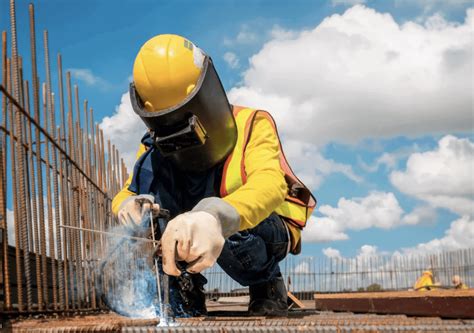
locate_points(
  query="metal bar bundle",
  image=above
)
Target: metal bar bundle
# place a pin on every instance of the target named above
(55, 171)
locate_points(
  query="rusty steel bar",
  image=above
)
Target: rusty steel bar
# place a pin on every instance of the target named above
(34, 201)
(77, 255)
(61, 96)
(71, 215)
(48, 136)
(50, 104)
(3, 155)
(15, 196)
(65, 214)
(85, 147)
(62, 176)
(91, 147)
(82, 197)
(25, 102)
(111, 234)
(22, 217)
(41, 270)
(49, 200)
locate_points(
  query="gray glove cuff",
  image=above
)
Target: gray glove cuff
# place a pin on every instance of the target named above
(224, 213)
(134, 197)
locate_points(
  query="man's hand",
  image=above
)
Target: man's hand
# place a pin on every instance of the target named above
(132, 209)
(194, 237)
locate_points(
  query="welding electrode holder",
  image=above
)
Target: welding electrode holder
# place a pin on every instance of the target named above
(162, 215)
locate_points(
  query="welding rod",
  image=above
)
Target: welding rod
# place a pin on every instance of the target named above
(163, 315)
(111, 234)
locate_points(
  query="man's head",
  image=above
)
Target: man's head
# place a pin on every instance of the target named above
(456, 280)
(178, 94)
(428, 273)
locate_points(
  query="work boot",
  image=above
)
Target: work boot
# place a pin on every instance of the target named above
(269, 298)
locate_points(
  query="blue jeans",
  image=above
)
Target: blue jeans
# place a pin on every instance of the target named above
(252, 256)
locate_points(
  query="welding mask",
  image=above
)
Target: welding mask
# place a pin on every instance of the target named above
(178, 94)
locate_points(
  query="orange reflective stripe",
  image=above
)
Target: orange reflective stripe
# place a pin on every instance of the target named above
(247, 132)
(286, 167)
(234, 174)
(295, 210)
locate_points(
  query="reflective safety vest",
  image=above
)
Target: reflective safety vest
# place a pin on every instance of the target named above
(299, 202)
(424, 282)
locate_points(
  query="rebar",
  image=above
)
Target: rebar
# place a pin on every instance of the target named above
(40, 269)
(58, 178)
(3, 170)
(22, 217)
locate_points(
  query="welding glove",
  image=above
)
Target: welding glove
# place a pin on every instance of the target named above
(197, 237)
(132, 211)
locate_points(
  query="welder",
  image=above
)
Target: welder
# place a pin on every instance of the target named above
(220, 171)
(458, 283)
(425, 282)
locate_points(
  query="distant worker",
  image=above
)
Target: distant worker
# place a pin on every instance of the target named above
(219, 169)
(425, 282)
(457, 283)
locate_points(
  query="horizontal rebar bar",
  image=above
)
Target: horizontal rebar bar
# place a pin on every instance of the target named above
(49, 137)
(112, 234)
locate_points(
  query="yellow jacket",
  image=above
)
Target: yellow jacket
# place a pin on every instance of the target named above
(265, 188)
(424, 282)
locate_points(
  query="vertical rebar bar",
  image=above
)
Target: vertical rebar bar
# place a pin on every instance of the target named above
(34, 201)
(42, 272)
(3, 169)
(52, 116)
(65, 216)
(63, 170)
(49, 201)
(22, 213)
(13, 162)
(72, 212)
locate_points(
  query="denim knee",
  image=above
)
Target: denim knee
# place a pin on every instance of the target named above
(252, 256)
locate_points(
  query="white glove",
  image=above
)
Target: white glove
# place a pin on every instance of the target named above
(197, 237)
(131, 211)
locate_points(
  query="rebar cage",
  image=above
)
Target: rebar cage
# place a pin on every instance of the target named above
(58, 172)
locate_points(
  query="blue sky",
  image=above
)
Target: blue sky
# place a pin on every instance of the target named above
(357, 92)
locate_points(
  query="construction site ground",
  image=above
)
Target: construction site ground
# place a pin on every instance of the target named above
(228, 314)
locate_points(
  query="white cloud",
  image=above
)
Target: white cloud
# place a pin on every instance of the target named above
(420, 214)
(311, 166)
(302, 267)
(377, 210)
(322, 229)
(367, 251)
(347, 2)
(459, 235)
(345, 81)
(231, 59)
(11, 227)
(429, 7)
(443, 177)
(88, 77)
(389, 160)
(331, 253)
(245, 36)
(125, 129)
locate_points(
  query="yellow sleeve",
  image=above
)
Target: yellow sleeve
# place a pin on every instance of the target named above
(266, 187)
(125, 192)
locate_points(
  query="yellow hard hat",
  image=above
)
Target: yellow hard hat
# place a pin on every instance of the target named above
(180, 98)
(166, 70)
(428, 273)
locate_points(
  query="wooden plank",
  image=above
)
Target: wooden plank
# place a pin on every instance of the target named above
(446, 304)
(295, 300)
